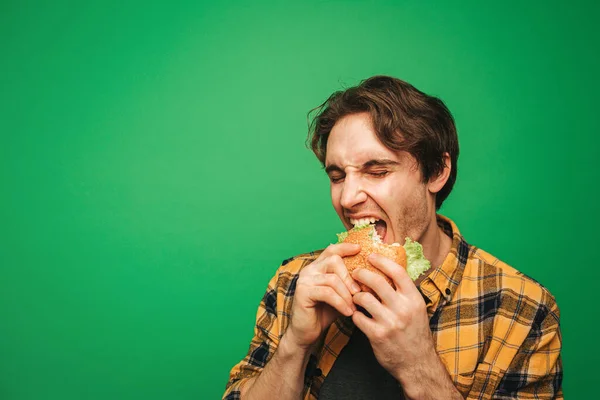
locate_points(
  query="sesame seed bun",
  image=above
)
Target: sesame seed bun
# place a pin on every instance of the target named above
(370, 243)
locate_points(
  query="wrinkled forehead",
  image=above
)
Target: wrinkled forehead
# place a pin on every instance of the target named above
(353, 142)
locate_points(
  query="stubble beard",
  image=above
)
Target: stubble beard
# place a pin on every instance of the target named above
(414, 218)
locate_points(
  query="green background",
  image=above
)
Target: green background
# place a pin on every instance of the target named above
(154, 175)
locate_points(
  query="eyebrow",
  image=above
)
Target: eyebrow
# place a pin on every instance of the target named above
(380, 162)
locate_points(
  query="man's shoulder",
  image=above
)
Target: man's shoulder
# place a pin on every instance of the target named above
(499, 276)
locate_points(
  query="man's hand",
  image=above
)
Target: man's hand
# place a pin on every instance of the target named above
(323, 291)
(399, 331)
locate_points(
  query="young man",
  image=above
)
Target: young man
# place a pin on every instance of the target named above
(471, 327)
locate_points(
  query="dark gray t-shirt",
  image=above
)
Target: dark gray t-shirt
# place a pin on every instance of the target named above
(356, 375)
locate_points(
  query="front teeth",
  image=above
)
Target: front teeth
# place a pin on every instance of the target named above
(363, 221)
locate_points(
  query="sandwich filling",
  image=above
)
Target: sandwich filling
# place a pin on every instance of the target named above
(416, 263)
(380, 226)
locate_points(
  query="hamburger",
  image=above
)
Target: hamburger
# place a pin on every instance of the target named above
(409, 256)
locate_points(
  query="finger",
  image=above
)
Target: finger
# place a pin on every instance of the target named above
(364, 323)
(395, 272)
(336, 283)
(326, 294)
(340, 249)
(377, 283)
(367, 301)
(335, 264)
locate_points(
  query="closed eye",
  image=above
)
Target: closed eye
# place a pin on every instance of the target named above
(336, 178)
(335, 173)
(378, 174)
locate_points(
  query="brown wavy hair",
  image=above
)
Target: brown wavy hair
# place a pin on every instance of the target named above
(404, 119)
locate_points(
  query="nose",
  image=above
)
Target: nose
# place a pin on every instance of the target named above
(352, 192)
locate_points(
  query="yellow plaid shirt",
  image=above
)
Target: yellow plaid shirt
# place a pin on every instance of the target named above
(496, 330)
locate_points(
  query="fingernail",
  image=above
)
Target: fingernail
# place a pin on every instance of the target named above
(355, 288)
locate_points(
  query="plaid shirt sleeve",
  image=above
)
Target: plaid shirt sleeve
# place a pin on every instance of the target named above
(262, 346)
(272, 319)
(536, 370)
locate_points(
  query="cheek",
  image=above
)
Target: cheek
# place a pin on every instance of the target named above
(386, 196)
(414, 206)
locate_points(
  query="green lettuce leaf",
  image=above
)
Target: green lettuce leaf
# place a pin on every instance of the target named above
(416, 262)
(342, 236)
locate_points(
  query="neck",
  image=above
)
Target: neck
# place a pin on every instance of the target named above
(436, 245)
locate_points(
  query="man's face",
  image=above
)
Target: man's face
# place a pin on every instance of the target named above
(368, 180)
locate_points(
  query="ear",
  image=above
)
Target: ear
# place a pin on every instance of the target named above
(436, 183)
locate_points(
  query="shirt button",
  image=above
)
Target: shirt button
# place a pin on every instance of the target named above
(448, 298)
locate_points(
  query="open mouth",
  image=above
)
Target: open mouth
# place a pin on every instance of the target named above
(380, 225)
